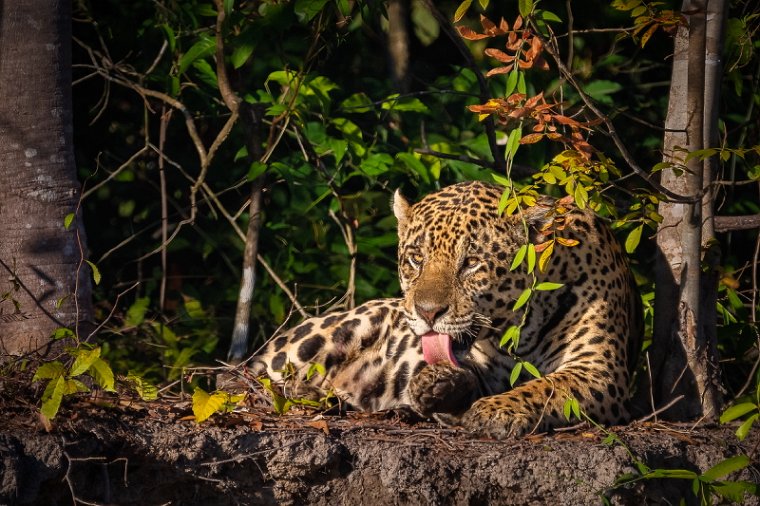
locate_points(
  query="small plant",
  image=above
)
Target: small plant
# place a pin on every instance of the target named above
(65, 378)
(205, 404)
(705, 486)
(751, 407)
(282, 402)
(83, 364)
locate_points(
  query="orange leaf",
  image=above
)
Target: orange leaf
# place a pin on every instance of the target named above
(470, 34)
(524, 64)
(564, 241)
(489, 27)
(565, 120)
(541, 247)
(518, 23)
(531, 138)
(499, 55)
(319, 425)
(499, 70)
(532, 101)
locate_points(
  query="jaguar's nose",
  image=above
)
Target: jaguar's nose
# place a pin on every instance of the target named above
(430, 312)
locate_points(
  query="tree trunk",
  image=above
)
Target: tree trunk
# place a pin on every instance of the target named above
(45, 284)
(684, 359)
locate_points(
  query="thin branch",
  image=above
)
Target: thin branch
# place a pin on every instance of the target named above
(116, 172)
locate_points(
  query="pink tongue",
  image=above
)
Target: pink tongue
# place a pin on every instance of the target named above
(437, 348)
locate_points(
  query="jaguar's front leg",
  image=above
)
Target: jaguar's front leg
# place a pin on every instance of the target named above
(443, 390)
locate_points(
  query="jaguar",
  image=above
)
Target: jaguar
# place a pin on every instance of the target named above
(478, 303)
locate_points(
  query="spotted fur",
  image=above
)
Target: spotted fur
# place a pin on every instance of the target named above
(455, 252)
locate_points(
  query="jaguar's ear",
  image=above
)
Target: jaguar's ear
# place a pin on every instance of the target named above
(401, 209)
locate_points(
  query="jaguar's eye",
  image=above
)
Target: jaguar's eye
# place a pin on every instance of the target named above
(470, 263)
(415, 259)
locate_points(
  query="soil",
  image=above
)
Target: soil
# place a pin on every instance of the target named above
(154, 453)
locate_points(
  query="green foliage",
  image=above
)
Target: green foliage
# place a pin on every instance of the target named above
(64, 380)
(81, 368)
(337, 135)
(747, 408)
(705, 486)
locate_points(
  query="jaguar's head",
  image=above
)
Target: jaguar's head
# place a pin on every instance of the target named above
(454, 257)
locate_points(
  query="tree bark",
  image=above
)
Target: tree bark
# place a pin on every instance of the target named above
(684, 358)
(45, 283)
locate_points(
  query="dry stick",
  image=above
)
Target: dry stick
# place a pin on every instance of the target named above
(116, 172)
(348, 237)
(165, 118)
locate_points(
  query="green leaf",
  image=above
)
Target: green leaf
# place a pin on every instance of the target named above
(103, 374)
(521, 88)
(576, 407)
(744, 428)
(204, 47)
(170, 38)
(601, 89)
(49, 370)
(404, 104)
(531, 257)
(68, 219)
(413, 164)
(547, 16)
(513, 377)
(737, 410)
(376, 164)
(95, 272)
(726, 467)
(84, 359)
(306, 9)
(513, 142)
(510, 337)
(136, 312)
(681, 474)
(256, 169)
(519, 257)
(461, 10)
(567, 408)
(241, 54)
(525, 7)
(62, 332)
(194, 308)
(146, 390)
(512, 81)
(522, 299)
(357, 103)
(205, 405)
(734, 490)
(531, 369)
(51, 398)
(548, 286)
(633, 239)
(316, 368)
